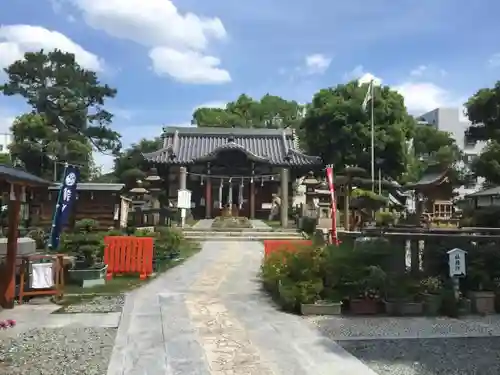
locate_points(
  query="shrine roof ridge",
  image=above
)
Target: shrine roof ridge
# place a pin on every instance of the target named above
(190, 145)
(207, 131)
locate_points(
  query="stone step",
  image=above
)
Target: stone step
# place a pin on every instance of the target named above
(242, 238)
(243, 234)
(279, 230)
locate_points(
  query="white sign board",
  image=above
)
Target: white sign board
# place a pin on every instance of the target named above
(456, 262)
(184, 199)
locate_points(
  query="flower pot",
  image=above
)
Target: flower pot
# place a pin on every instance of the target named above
(89, 277)
(404, 308)
(321, 308)
(432, 304)
(364, 306)
(483, 302)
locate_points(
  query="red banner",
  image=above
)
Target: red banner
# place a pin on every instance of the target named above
(331, 185)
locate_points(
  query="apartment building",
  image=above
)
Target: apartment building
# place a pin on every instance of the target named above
(449, 120)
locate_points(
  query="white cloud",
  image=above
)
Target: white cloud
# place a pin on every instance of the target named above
(359, 74)
(419, 71)
(421, 95)
(15, 40)
(424, 96)
(317, 63)
(188, 66)
(178, 42)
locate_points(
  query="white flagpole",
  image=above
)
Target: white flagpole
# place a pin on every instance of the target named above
(372, 136)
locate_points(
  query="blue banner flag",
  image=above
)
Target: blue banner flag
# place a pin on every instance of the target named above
(65, 199)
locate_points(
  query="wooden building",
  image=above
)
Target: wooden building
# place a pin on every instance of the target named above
(484, 199)
(236, 167)
(103, 202)
(434, 193)
(17, 186)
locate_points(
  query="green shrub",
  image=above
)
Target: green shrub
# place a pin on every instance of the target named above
(308, 225)
(85, 243)
(38, 235)
(168, 242)
(293, 278)
(384, 218)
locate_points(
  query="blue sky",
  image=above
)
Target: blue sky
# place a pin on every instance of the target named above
(168, 57)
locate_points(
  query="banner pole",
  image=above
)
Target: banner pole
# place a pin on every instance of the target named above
(56, 210)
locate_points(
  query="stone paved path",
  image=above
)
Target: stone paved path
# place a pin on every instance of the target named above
(209, 317)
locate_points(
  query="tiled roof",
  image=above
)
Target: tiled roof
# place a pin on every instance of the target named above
(20, 176)
(190, 145)
(93, 186)
(485, 193)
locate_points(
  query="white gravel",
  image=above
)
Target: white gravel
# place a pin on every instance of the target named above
(58, 351)
(98, 304)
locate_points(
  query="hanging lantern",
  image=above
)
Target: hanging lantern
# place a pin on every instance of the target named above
(251, 180)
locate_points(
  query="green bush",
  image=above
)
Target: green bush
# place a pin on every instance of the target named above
(293, 278)
(39, 236)
(308, 225)
(85, 243)
(168, 242)
(384, 218)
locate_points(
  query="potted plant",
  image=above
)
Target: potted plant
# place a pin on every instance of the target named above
(401, 298)
(367, 297)
(431, 294)
(330, 305)
(87, 246)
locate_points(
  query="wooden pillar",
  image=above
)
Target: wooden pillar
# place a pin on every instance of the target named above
(284, 198)
(251, 193)
(208, 195)
(9, 281)
(252, 199)
(347, 198)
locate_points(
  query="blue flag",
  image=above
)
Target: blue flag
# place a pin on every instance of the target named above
(65, 199)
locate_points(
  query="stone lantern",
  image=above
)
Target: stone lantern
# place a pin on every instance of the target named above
(155, 188)
(311, 183)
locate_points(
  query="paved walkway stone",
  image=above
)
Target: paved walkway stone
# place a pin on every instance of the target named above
(259, 224)
(208, 317)
(203, 224)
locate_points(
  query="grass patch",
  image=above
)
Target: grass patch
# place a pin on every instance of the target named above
(120, 284)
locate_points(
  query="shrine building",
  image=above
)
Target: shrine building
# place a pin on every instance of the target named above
(240, 168)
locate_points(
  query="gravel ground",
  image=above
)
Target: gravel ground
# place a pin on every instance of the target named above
(456, 356)
(61, 351)
(98, 304)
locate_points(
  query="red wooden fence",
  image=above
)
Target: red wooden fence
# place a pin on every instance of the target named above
(128, 254)
(271, 246)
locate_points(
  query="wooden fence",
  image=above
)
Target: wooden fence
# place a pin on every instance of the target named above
(128, 254)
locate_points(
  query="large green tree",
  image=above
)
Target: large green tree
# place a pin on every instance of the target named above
(68, 118)
(129, 165)
(338, 129)
(431, 146)
(245, 112)
(482, 109)
(37, 146)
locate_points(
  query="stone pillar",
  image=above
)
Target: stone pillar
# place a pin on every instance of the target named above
(284, 197)
(182, 185)
(208, 195)
(182, 177)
